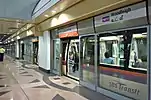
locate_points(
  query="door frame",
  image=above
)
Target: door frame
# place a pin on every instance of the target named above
(86, 84)
(67, 40)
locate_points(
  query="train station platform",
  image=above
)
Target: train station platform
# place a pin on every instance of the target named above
(20, 82)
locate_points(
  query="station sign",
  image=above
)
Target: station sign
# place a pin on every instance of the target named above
(121, 15)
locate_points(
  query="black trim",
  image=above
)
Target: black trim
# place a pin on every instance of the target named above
(72, 78)
(77, 27)
(149, 69)
(147, 11)
(40, 7)
(35, 7)
(17, 58)
(42, 69)
(94, 25)
(68, 43)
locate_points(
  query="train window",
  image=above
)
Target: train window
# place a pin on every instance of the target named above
(112, 50)
(138, 52)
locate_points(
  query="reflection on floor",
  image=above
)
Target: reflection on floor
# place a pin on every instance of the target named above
(74, 74)
(18, 82)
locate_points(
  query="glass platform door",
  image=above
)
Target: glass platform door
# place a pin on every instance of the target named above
(56, 67)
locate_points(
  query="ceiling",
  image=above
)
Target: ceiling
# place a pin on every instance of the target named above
(9, 26)
(76, 10)
(14, 15)
(57, 8)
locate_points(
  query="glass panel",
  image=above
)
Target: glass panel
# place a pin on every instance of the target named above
(85, 26)
(87, 58)
(73, 59)
(56, 54)
(123, 63)
(112, 50)
(138, 53)
(35, 52)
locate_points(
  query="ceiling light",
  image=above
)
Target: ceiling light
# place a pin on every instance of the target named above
(61, 8)
(53, 11)
(46, 15)
(22, 42)
(12, 39)
(18, 37)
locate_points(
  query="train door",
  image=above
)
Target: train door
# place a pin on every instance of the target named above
(70, 58)
(35, 52)
(73, 59)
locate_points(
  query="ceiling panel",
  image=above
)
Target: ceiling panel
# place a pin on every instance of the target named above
(8, 27)
(57, 8)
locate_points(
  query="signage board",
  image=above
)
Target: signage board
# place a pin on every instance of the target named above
(121, 15)
(70, 31)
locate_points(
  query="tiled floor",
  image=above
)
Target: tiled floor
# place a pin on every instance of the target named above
(19, 82)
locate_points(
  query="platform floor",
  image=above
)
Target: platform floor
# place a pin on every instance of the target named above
(19, 81)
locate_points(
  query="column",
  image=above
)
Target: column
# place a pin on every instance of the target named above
(44, 51)
(17, 49)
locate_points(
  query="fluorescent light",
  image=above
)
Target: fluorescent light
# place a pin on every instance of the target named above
(46, 15)
(22, 42)
(12, 39)
(53, 11)
(18, 37)
(61, 8)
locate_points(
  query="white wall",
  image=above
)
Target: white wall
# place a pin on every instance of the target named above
(17, 49)
(44, 51)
